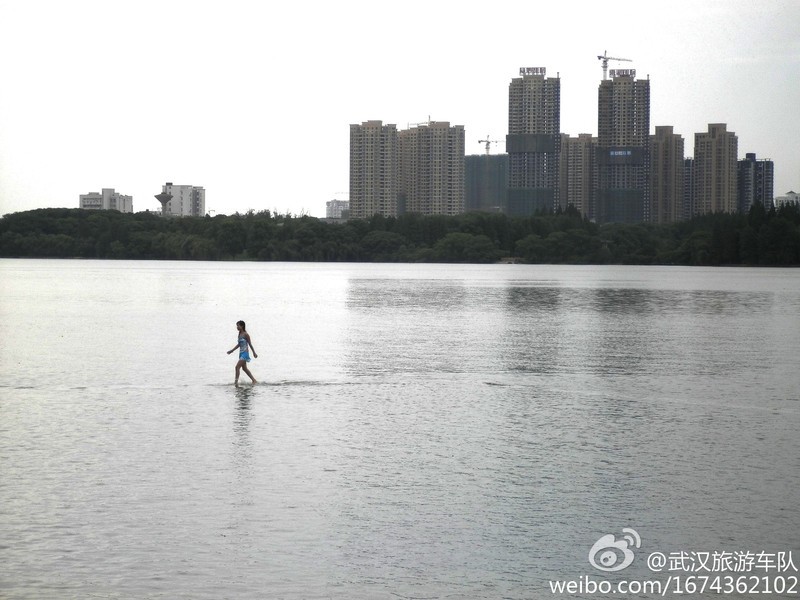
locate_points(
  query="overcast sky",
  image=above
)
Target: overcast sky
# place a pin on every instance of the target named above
(253, 100)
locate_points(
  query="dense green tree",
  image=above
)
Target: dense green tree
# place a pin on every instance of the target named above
(574, 246)
(532, 249)
(757, 216)
(748, 246)
(725, 241)
(766, 237)
(630, 244)
(383, 246)
(459, 247)
(231, 237)
(778, 243)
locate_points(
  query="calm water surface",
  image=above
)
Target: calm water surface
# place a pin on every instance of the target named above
(420, 431)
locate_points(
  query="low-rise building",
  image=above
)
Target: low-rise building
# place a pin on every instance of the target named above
(789, 198)
(107, 199)
(337, 209)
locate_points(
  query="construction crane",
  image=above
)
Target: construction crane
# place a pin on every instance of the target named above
(605, 58)
(488, 143)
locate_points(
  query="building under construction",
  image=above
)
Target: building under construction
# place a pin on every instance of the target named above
(533, 142)
(622, 160)
(485, 182)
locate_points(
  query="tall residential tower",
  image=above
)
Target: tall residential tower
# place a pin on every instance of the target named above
(666, 176)
(755, 182)
(715, 170)
(577, 171)
(374, 176)
(623, 161)
(432, 169)
(533, 142)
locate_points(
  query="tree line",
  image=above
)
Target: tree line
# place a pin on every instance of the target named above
(760, 237)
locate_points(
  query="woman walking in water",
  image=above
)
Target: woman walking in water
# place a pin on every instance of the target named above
(244, 356)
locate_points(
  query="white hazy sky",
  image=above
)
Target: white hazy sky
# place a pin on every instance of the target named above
(253, 100)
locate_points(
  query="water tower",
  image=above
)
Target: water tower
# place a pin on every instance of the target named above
(164, 197)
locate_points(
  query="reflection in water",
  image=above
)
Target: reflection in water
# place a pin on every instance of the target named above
(623, 301)
(532, 299)
(717, 302)
(242, 443)
(558, 329)
(406, 325)
(534, 329)
(373, 294)
(243, 416)
(622, 330)
(451, 326)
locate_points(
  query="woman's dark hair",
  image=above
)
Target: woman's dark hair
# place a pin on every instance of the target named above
(242, 324)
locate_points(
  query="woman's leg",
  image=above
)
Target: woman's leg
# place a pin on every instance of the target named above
(246, 370)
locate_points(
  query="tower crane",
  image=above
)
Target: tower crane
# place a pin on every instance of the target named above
(488, 141)
(605, 58)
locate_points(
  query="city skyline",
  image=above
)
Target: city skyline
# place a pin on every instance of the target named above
(90, 102)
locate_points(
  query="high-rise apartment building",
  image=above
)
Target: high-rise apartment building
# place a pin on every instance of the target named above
(577, 171)
(432, 169)
(184, 201)
(755, 182)
(533, 142)
(107, 199)
(666, 176)
(622, 161)
(374, 169)
(715, 170)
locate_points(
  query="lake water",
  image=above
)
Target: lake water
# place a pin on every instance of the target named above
(420, 431)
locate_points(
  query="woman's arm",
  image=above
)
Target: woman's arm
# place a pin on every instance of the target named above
(255, 355)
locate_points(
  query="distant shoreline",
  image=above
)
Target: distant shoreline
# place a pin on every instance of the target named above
(498, 263)
(760, 238)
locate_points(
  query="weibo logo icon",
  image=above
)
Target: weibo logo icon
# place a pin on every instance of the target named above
(611, 554)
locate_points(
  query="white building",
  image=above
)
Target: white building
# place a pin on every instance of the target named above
(186, 201)
(334, 208)
(108, 199)
(789, 198)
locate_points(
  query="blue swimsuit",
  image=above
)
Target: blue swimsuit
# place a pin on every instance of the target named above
(243, 353)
